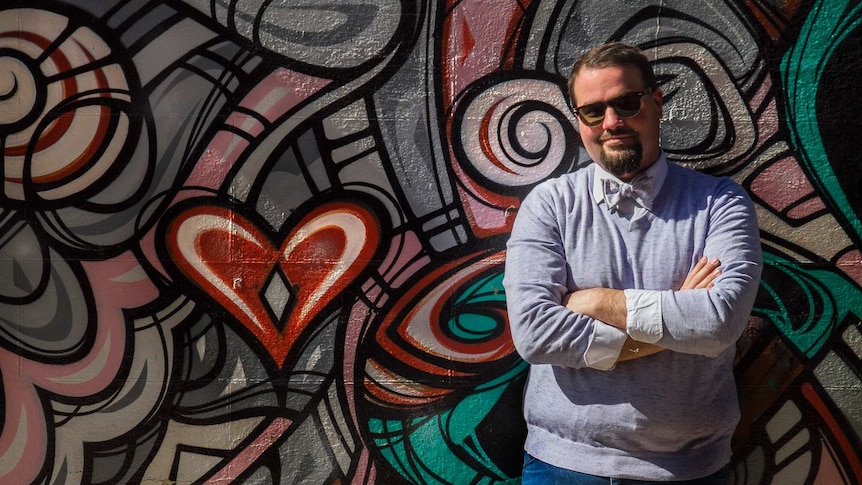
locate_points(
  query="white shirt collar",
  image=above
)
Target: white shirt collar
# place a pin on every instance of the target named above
(658, 172)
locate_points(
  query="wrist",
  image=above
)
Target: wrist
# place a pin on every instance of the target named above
(604, 304)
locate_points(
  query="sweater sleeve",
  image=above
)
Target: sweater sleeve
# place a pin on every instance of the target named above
(708, 321)
(544, 331)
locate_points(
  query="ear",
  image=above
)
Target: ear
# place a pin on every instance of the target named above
(658, 96)
(658, 99)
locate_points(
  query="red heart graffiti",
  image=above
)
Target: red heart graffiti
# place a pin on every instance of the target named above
(275, 292)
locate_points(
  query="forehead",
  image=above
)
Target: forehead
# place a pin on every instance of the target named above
(594, 84)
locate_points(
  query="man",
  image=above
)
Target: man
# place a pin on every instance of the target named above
(629, 329)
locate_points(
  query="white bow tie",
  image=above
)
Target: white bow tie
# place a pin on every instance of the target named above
(639, 190)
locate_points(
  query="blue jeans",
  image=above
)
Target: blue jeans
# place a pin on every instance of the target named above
(537, 472)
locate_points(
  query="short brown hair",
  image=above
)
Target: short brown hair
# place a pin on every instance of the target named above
(611, 55)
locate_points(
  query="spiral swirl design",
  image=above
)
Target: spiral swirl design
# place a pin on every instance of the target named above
(514, 133)
(64, 111)
(21, 94)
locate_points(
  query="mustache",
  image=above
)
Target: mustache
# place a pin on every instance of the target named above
(616, 132)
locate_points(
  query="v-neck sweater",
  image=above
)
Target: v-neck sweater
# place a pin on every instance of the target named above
(669, 416)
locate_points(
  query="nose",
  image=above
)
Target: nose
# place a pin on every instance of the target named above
(612, 119)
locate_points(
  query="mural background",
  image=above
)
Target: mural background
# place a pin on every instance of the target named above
(262, 242)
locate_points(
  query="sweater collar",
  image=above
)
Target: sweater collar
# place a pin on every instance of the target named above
(658, 172)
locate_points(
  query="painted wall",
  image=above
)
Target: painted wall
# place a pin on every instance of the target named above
(262, 241)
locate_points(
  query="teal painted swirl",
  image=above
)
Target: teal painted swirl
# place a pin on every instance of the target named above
(806, 303)
(444, 445)
(827, 25)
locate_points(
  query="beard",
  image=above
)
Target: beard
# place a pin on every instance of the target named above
(623, 160)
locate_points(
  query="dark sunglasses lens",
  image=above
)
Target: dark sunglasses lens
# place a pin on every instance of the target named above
(627, 106)
(592, 114)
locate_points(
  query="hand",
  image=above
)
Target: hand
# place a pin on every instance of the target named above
(633, 349)
(702, 275)
(607, 303)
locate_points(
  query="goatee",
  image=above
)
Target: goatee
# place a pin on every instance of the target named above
(623, 160)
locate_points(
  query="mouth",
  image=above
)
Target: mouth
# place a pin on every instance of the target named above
(618, 139)
(610, 136)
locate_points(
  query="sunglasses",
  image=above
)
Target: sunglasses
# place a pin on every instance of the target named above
(627, 106)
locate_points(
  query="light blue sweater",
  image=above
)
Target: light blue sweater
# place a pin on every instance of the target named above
(669, 416)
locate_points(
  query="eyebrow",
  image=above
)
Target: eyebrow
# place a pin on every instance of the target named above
(640, 92)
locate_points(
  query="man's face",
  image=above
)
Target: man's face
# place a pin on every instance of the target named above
(622, 146)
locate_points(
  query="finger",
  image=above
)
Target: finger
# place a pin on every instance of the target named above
(705, 276)
(692, 275)
(706, 281)
(703, 273)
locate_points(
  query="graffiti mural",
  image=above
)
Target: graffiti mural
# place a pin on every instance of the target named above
(263, 242)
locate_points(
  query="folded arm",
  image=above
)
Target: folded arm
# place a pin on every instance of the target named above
(537, 276)
(609, 306)
(704, 320)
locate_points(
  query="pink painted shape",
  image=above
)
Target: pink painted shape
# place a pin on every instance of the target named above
(851, 264)
(475, 45)
(246, 123)
(356, 328)
(86, 377)
(282, 91)
(99, 367)
(807, 208)
(475, 42)
(829, 472)
(781, 184)
(399, 265)
(251, 453)
(768, 123)
(147, 242)
(488, 220)
(761, 96)
(217, 161)
(365, 471)
(277, 94)
(24, 426)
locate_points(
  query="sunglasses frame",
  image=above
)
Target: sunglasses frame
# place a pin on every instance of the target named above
(613, 103)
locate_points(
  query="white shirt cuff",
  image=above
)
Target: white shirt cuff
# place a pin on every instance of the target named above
(643, 315)
(606, 343)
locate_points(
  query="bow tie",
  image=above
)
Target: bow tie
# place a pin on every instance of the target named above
(639, 190)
